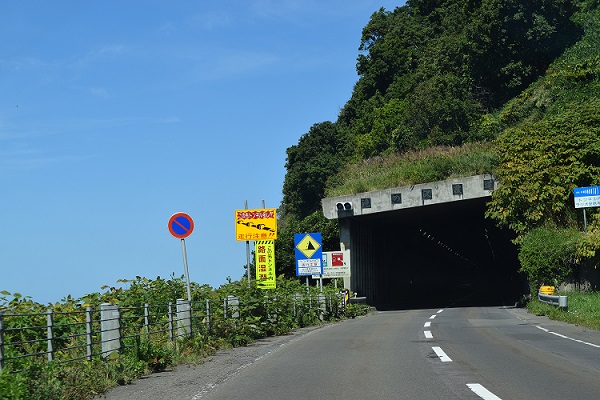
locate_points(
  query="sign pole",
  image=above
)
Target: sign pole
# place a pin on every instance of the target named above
(181, 225)
(247, 252)
(588, 196)
(187, 274)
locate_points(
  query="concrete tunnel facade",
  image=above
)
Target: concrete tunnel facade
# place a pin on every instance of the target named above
(428, 245)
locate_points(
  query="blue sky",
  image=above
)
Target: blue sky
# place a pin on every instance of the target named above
(116, 115)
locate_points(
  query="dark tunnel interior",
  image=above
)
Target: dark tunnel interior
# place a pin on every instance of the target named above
(446, 255)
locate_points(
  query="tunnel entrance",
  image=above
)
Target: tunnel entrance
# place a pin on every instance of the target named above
(440, 255)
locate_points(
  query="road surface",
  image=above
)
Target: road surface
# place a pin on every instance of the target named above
(485, 353)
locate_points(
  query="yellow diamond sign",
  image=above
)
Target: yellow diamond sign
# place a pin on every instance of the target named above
(308, 246)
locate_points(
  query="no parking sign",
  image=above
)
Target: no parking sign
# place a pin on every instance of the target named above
(181, 225)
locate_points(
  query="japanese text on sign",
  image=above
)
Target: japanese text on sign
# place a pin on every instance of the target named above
(587, 196)
(256, 224)
(309, 266)
(265, 264)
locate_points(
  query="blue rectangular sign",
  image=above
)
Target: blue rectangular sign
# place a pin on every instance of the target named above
(309, 253)
(587, 196)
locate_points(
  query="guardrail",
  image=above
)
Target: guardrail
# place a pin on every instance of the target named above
(560, 301)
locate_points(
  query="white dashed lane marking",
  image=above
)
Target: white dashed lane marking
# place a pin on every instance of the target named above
(440, 353)
(482, 392)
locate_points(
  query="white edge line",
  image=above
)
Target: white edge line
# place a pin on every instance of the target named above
(428, 334)
(432, 317)
(439, 311)
(482, 392)
(440, 353)
(427, 324)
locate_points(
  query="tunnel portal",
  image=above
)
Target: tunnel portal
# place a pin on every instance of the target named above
(440, 255)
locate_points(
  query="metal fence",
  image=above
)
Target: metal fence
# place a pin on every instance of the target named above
(88, 333)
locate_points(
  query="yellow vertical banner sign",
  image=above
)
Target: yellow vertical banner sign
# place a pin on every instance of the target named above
(264, 251)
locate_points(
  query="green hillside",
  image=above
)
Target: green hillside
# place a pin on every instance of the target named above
(448, 88)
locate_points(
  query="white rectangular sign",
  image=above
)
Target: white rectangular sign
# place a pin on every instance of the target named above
(336, 264)
(309, 266)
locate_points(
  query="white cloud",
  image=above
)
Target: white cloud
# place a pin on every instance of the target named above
(211, 20)
(98, 54)
(233, 64)
(99, 92)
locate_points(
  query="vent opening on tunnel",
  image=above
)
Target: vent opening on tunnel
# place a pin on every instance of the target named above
(396, 198)
(426, 194)
(457, 189)
(365, 202)
(488, 184)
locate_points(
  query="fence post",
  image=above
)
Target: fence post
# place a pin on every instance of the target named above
(184, 318)
(1, 341)
(88, 333)
(297, 309)
(321, 305)
(147, 320)
(171, 320)
(225, 307)
(233, 304)
(50, 334)
(208, 316)
(110, 328)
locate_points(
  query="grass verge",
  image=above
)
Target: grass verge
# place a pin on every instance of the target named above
(584, 309)
(427, 165)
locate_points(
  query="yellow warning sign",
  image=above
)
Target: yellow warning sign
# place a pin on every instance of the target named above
(256, 224)
(308, 246)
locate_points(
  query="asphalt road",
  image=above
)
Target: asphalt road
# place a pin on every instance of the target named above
(455, 353)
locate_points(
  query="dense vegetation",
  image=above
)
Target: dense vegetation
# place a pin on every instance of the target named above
(261, 313)
(444, 87)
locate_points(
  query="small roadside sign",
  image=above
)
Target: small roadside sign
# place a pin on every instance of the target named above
(309, 253)
(336, 264)
(587, 196)
(181, 225)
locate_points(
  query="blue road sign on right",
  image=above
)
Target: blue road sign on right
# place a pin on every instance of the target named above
(587, 196)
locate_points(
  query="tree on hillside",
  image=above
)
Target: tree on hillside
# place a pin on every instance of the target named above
(514, 41)
(540, 165)
(444, 63)
(319, 154)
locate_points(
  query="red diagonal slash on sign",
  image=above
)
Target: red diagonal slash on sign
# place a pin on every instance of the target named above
(181, 225)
